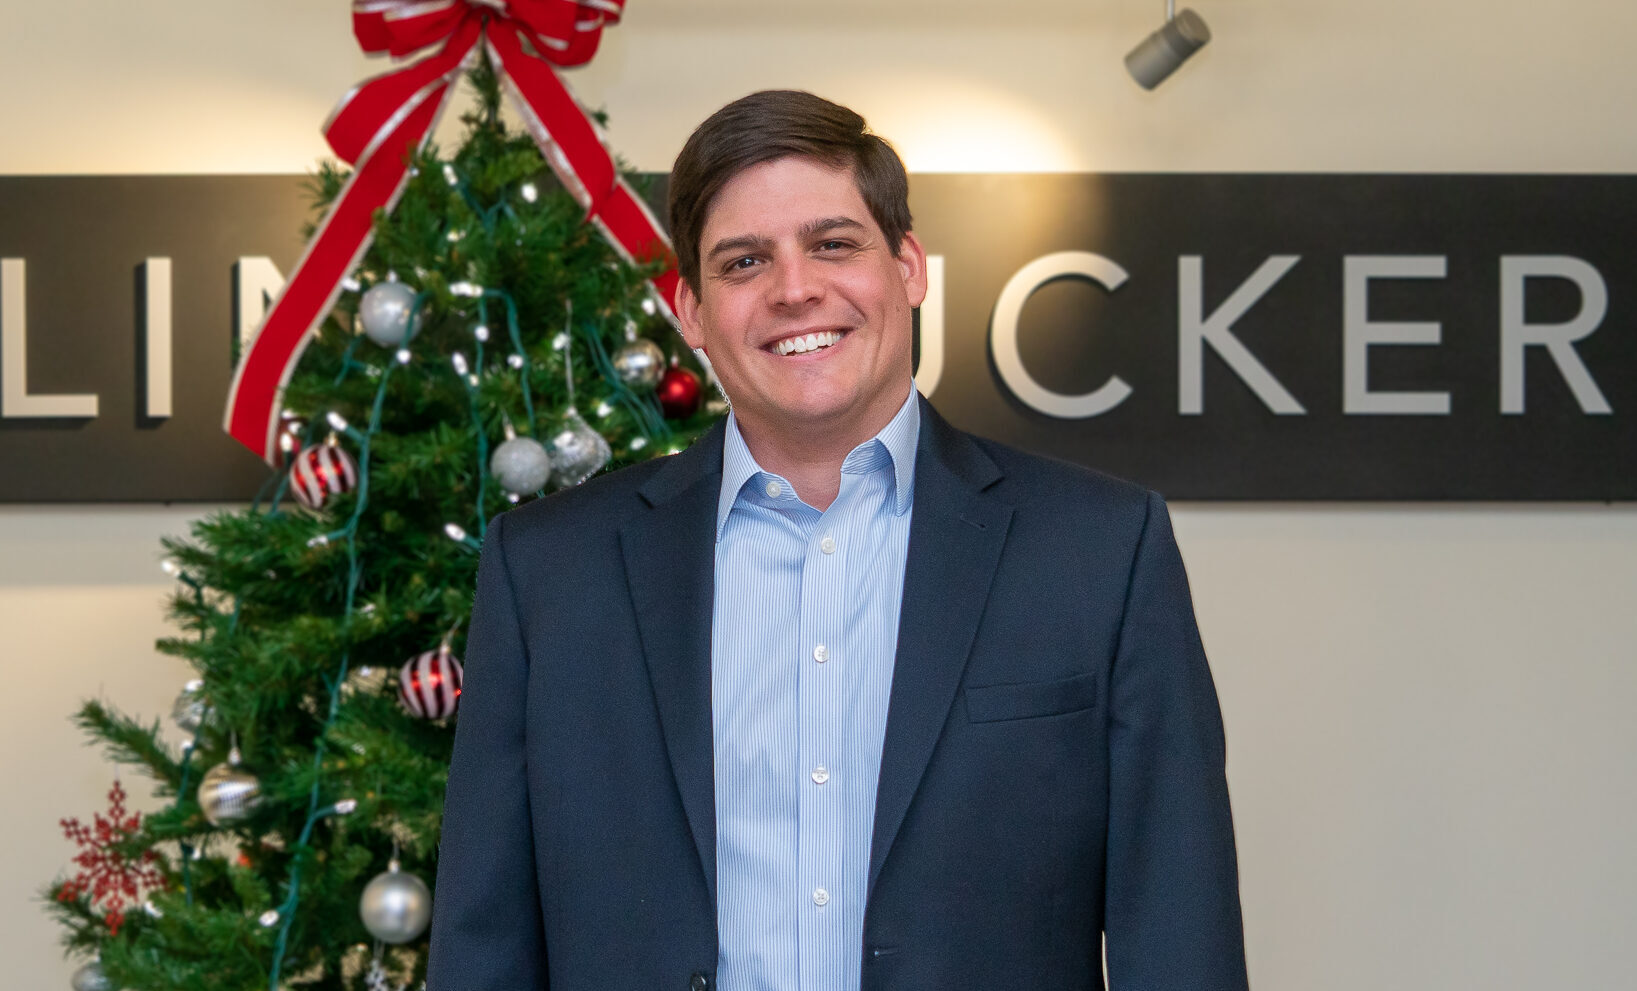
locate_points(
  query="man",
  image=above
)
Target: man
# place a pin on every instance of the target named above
(840, 698)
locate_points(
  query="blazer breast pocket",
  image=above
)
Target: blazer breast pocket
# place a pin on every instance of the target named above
(993, 703)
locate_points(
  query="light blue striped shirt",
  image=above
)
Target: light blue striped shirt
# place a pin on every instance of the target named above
(803, 637)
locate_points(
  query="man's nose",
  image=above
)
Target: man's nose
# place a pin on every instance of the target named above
(797, 280)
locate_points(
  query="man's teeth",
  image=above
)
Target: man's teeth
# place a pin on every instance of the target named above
(808, 342)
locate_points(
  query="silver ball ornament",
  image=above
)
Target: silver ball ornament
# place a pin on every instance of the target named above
(522, 465)
(90, 978)
(190, 710)
(384, 311)
(228, 794)
(395, 906)
(639, 363)
(577, 451)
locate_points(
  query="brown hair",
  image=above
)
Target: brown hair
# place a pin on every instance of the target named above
(775, 124)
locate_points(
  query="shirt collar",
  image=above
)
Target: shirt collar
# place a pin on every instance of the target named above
(898, 439)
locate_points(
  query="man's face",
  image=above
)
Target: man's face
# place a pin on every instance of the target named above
(802, 309)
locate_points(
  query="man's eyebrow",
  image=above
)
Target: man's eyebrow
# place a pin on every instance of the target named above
(742, 244)
(828, 225)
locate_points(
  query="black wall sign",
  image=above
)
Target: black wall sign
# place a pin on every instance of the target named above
(1212, 336)
(77, 290)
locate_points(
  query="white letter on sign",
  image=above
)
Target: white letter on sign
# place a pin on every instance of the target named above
(1557, 338)
(156, 337)
(1003, 334)
(15, 401)
(1194, 329)
(256, 283)
(1359, 332)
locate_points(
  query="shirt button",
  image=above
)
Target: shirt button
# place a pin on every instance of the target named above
(773, 490)
(699, 982)
(828, 544)
(821, 653)
(821, 897)
(821, 774)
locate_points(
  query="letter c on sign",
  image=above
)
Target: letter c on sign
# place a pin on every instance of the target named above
(1003, 334)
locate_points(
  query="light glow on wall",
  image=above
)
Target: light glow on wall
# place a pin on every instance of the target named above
(953, 125)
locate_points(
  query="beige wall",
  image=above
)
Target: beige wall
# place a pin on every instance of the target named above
(1429, 754)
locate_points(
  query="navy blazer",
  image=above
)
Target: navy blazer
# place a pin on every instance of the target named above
(1052, 769)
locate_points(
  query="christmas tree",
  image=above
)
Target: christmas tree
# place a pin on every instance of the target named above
(492, 346)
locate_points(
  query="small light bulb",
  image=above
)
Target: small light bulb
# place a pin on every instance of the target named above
(603, 409)
(336, 420)
(481, 332)
(346, 806)
(514, 360)
(513, 498)
(472, 379)
(638, 443)
(449, 175)
(318, 541)
(170, 567)
(366, 609)
(530, 193)
(459, 361)
(269, 918)
(351, 284)
(649, 306)
(465, 289)
(153, 910)
(454, 236)
(455, 531)
(560, 341)
(403, 356)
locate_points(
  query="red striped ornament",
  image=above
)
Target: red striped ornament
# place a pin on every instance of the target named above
(321, 472)
(429, 684)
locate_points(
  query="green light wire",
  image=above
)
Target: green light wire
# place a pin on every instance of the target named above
(287, 910)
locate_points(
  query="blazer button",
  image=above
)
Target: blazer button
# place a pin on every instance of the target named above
(699, 982)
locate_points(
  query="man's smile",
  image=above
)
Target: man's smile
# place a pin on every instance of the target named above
(805, 343)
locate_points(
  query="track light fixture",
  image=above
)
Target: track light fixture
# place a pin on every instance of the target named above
(1164, 51)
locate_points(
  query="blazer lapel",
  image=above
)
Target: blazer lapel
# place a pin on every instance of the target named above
(670, 565)
(955, 541)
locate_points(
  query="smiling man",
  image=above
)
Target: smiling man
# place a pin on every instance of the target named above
(841, 698)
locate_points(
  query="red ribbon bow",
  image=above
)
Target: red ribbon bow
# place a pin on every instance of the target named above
(382, 121)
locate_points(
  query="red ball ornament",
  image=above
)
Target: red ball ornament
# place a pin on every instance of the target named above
(429, 684)
(320, 473)
(291, 430)
(679, 393)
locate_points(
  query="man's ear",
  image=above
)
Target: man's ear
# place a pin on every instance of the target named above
(912, 263)
(687, 314)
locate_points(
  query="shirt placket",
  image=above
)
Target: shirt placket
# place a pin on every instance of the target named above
(821, 687)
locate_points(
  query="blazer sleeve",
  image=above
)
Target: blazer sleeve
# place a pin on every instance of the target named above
(1171, 915)
(486, 924)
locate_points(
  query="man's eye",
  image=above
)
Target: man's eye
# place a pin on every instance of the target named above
(742, 263)
(833, 245)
